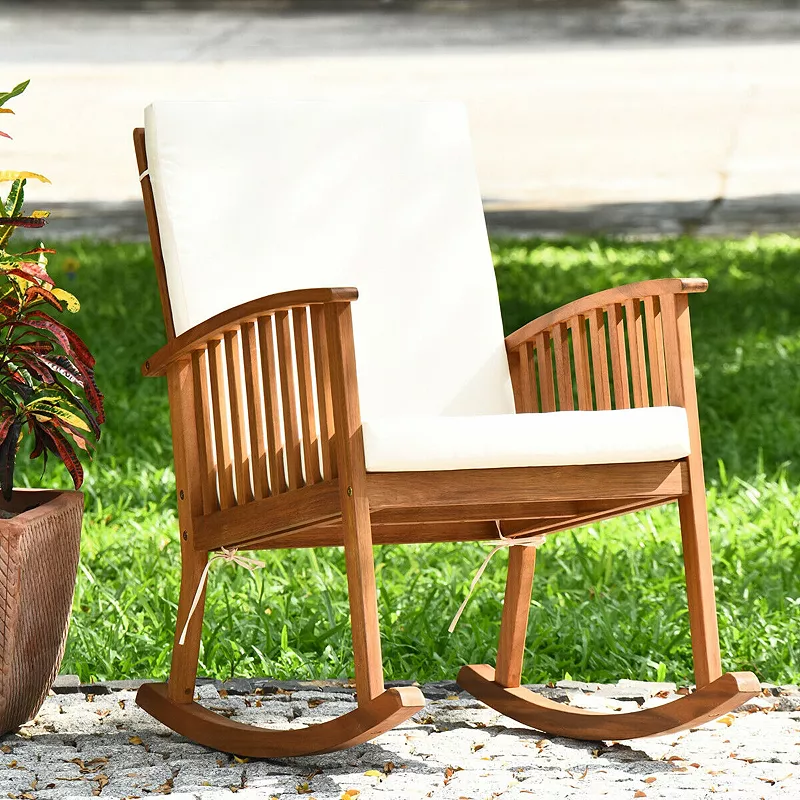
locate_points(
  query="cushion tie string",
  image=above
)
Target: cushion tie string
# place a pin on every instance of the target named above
(231, 555)
(523, 541)
(143, 175)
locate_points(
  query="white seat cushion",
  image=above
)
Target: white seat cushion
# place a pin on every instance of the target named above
(411, 444)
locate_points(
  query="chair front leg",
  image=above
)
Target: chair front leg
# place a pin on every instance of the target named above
(355, 504)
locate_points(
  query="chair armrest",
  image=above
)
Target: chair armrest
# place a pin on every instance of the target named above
(620, 348)
(608, 297)
(215, 328)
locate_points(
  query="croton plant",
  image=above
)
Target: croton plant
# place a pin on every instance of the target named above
(47, 385)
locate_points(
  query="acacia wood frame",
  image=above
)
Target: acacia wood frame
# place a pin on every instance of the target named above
(265, 479)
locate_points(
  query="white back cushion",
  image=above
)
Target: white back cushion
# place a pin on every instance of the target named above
(257, 198)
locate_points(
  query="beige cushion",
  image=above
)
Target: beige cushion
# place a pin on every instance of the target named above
(401, 444)
(261, 197)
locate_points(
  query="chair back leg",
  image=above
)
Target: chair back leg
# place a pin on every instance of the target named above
(514, 622)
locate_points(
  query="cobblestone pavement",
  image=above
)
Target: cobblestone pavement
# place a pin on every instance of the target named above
(93, 740)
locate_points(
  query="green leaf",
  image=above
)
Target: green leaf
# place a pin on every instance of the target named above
(13, 208)
(17, 90)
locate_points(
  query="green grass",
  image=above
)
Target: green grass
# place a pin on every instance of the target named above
(608, 600)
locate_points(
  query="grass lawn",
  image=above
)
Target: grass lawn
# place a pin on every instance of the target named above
(608, 599)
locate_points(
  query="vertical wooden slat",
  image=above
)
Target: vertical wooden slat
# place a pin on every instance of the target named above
(580, 352)
(308, 421)
(524, 384)
(655, 351)
(619, 357)
(241, 454)
(545, 363)
(255, 412)
(633, 318)
(322, 369)
(671, 350)
(221, 429)
(283, 338)
(208, 474)
(597, 335)
(563, 368)
(266, 344)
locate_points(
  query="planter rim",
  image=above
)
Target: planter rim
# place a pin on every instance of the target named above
(56, 499)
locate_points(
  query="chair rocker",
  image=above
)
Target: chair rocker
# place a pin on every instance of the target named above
(302, 418)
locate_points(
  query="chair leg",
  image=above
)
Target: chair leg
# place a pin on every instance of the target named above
(514, 623)
(716, 693)
(700, 587)
(183, 671)
(363, 596)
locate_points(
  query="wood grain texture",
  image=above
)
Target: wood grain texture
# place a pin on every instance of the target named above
(720, 697)
(305, 390)
(269, 373)
(597, 337)
(322, 369)
(563, 361)
(219, 407)
(514, 623)
(369, 720)
(291, 430)
(619, 356)
(216, 326)
(153, 230)
(188, 485)
(237, 525)
(545, 367)
(580, 349)
(672, 351)
(527, 484)
(355, 503)
(255, 411)
(694, 523)
(636, 354)
(241, 453)
(206, 463)
(602, 299)
(655, 350)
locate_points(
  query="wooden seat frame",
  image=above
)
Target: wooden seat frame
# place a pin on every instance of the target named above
(299, 488)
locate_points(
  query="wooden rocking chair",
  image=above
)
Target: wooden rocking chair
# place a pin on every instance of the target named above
(282, 441)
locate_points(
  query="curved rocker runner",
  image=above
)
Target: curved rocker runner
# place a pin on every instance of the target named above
(444, 433)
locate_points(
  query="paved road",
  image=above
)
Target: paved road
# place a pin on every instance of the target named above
(653, 118)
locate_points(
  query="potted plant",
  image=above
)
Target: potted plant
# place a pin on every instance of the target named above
(49, 397)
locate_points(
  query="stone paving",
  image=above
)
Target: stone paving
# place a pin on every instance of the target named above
(93, 740)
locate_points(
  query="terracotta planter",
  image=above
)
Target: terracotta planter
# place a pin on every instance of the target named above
(38, 562)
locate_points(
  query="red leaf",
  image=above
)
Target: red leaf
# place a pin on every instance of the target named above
(58, 444)
(50, 325)
(36, 251)
(4, 135)
(34, 270)
(32, 293)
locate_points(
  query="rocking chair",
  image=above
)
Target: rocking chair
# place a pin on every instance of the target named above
(302, 418)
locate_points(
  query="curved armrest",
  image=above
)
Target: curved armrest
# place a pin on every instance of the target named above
(631, 291)
(195, 338)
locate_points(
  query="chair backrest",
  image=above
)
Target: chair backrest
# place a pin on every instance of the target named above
(263, 197)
